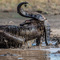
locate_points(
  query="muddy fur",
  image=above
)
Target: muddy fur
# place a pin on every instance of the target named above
(29, 29)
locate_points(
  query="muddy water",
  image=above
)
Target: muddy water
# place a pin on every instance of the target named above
(54, 56)
(17, 54)
(39, 54)
(54, 53)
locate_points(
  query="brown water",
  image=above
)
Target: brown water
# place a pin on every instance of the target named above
(17, 54)
(31, 54)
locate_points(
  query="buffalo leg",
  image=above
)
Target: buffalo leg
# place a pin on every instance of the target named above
(38, 41)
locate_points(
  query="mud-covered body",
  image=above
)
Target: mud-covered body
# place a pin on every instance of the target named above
(34, 28)
(28, 31)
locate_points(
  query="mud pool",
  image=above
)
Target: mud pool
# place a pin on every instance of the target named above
(30, 54)
(35, 53)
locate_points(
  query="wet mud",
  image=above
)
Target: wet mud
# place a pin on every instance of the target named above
(42, 52)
